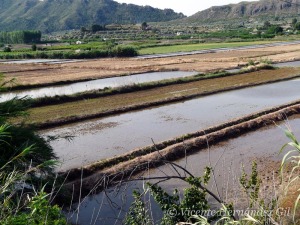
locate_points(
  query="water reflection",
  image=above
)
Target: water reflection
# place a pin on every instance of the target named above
(96, 84)
(226, 158)
(136, 129)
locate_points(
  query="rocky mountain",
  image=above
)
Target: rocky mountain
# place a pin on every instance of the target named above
(56, 15)
(248, 9)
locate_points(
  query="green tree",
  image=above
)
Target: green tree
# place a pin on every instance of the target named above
(96, 27)
(297, 26)
(266, 25)
(144, 26)
(6, 49)
(275, 30)
(19, 37)
(33, 47)
(83, 29)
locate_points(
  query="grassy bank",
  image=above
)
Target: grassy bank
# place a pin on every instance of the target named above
(59, 114)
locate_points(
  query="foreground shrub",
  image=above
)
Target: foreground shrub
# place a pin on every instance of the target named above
(267, 209)
(26, 169)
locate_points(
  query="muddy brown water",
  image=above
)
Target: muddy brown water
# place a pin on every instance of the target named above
(103, 138)
(226, 158)
(78, 87)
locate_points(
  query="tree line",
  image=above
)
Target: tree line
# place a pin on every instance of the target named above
(20, 37)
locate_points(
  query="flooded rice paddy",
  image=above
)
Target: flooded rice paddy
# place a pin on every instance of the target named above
(78, 87)
(102, 138)
(226, 158)
(288, 64)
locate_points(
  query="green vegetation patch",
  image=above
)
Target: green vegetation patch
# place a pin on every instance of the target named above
(195, 47)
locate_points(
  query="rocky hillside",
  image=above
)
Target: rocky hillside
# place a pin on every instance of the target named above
(56, 15)
(247, 9)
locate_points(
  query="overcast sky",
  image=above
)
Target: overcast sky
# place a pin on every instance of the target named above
(187, 7)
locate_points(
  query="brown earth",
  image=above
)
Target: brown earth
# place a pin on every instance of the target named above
(35, 74)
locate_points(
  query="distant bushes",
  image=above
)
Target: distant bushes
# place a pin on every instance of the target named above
(6, 49)
(19, 37)
(245, 34)
(124, 51)
(117, 51)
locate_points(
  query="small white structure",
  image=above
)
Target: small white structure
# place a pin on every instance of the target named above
(78, 42)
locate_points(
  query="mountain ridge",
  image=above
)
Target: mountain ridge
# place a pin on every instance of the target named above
(246, 9)
(57, 15)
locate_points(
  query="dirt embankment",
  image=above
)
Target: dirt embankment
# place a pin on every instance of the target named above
(107, 172)
(45, 74)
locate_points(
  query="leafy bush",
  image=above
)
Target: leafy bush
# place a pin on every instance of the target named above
(38, 211)
(173, 207)
(34, 47)
(194, 198)
(267, 35)
(6, 49)
(297, 26)
(275, 30)
(251, 62)
(124, 51)
(117, 51)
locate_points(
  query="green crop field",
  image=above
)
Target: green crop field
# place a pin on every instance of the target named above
(195, 47)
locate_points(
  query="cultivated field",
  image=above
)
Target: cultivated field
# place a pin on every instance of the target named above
(85, 108)
(36, 74)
